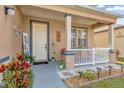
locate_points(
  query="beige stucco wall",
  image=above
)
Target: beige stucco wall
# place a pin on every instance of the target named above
(54, 27)
(10, 44)
(119, 41)
(102, 40)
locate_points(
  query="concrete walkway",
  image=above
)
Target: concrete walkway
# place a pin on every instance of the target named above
(45, 76)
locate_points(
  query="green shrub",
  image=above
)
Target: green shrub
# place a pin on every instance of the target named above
(61, 62)
(120, 62)
(29, 58)
(89, 74)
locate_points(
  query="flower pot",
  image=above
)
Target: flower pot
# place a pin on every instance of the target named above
(61, 67)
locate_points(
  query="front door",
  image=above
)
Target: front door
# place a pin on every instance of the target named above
(39, 41)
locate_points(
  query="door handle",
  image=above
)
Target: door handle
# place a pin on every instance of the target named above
(45, 46)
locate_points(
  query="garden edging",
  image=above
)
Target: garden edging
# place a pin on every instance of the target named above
(94, 81)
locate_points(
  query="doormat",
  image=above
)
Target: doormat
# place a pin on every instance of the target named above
(37, 63)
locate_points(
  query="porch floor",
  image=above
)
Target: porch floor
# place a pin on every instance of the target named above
(45, 76)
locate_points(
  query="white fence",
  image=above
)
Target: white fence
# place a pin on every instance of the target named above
(91, 56)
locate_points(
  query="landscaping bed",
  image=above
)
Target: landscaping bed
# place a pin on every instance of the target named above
(87, 78)
(17, 73)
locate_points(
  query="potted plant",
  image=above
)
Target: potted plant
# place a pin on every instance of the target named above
(61, 65)
(30, 58)
(52, 59)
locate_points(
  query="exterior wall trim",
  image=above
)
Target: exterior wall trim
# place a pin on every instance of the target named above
(4, 59)
(69, 53)
(48, 37)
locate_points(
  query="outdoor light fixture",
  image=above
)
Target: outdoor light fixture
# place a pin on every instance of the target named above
(9, 10)
(17, 29)
(98, 71)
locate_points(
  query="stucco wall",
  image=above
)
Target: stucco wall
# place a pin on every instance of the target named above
(10, 44)
(54, 27)
(119, 41)
(101, 40)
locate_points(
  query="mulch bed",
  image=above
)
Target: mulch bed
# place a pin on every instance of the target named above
(76, 81)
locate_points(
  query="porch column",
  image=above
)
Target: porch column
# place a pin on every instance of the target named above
(112, 51)
(68, 32)
(111, 36)
(68, 54)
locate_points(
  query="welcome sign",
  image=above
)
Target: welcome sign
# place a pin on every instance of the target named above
(26, 44)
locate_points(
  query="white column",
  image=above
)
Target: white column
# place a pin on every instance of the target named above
(68, 31)
(111, 36)
(112, 52)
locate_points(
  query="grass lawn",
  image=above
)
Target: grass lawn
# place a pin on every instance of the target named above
(110, 83)
(120, 61)
(2, 87)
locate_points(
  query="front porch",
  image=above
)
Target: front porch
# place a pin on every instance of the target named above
(72, 30)
(87, 53)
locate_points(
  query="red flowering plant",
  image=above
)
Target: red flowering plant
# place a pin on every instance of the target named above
(2, 68)
(18, 73)
(62, 52)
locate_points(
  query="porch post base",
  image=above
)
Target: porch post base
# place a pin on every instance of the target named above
(112, 56)
(69, 59)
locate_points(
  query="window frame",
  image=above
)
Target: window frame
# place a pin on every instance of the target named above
(73, 38)
(76, 36)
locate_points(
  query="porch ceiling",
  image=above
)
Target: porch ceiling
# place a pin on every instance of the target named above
(50, 14)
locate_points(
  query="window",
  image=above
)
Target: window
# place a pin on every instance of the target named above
(73, 38)
(82, 38)
(79, 38)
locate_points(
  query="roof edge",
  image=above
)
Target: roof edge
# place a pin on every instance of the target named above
(102, 11)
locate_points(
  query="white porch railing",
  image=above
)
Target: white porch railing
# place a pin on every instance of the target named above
(91, 56)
